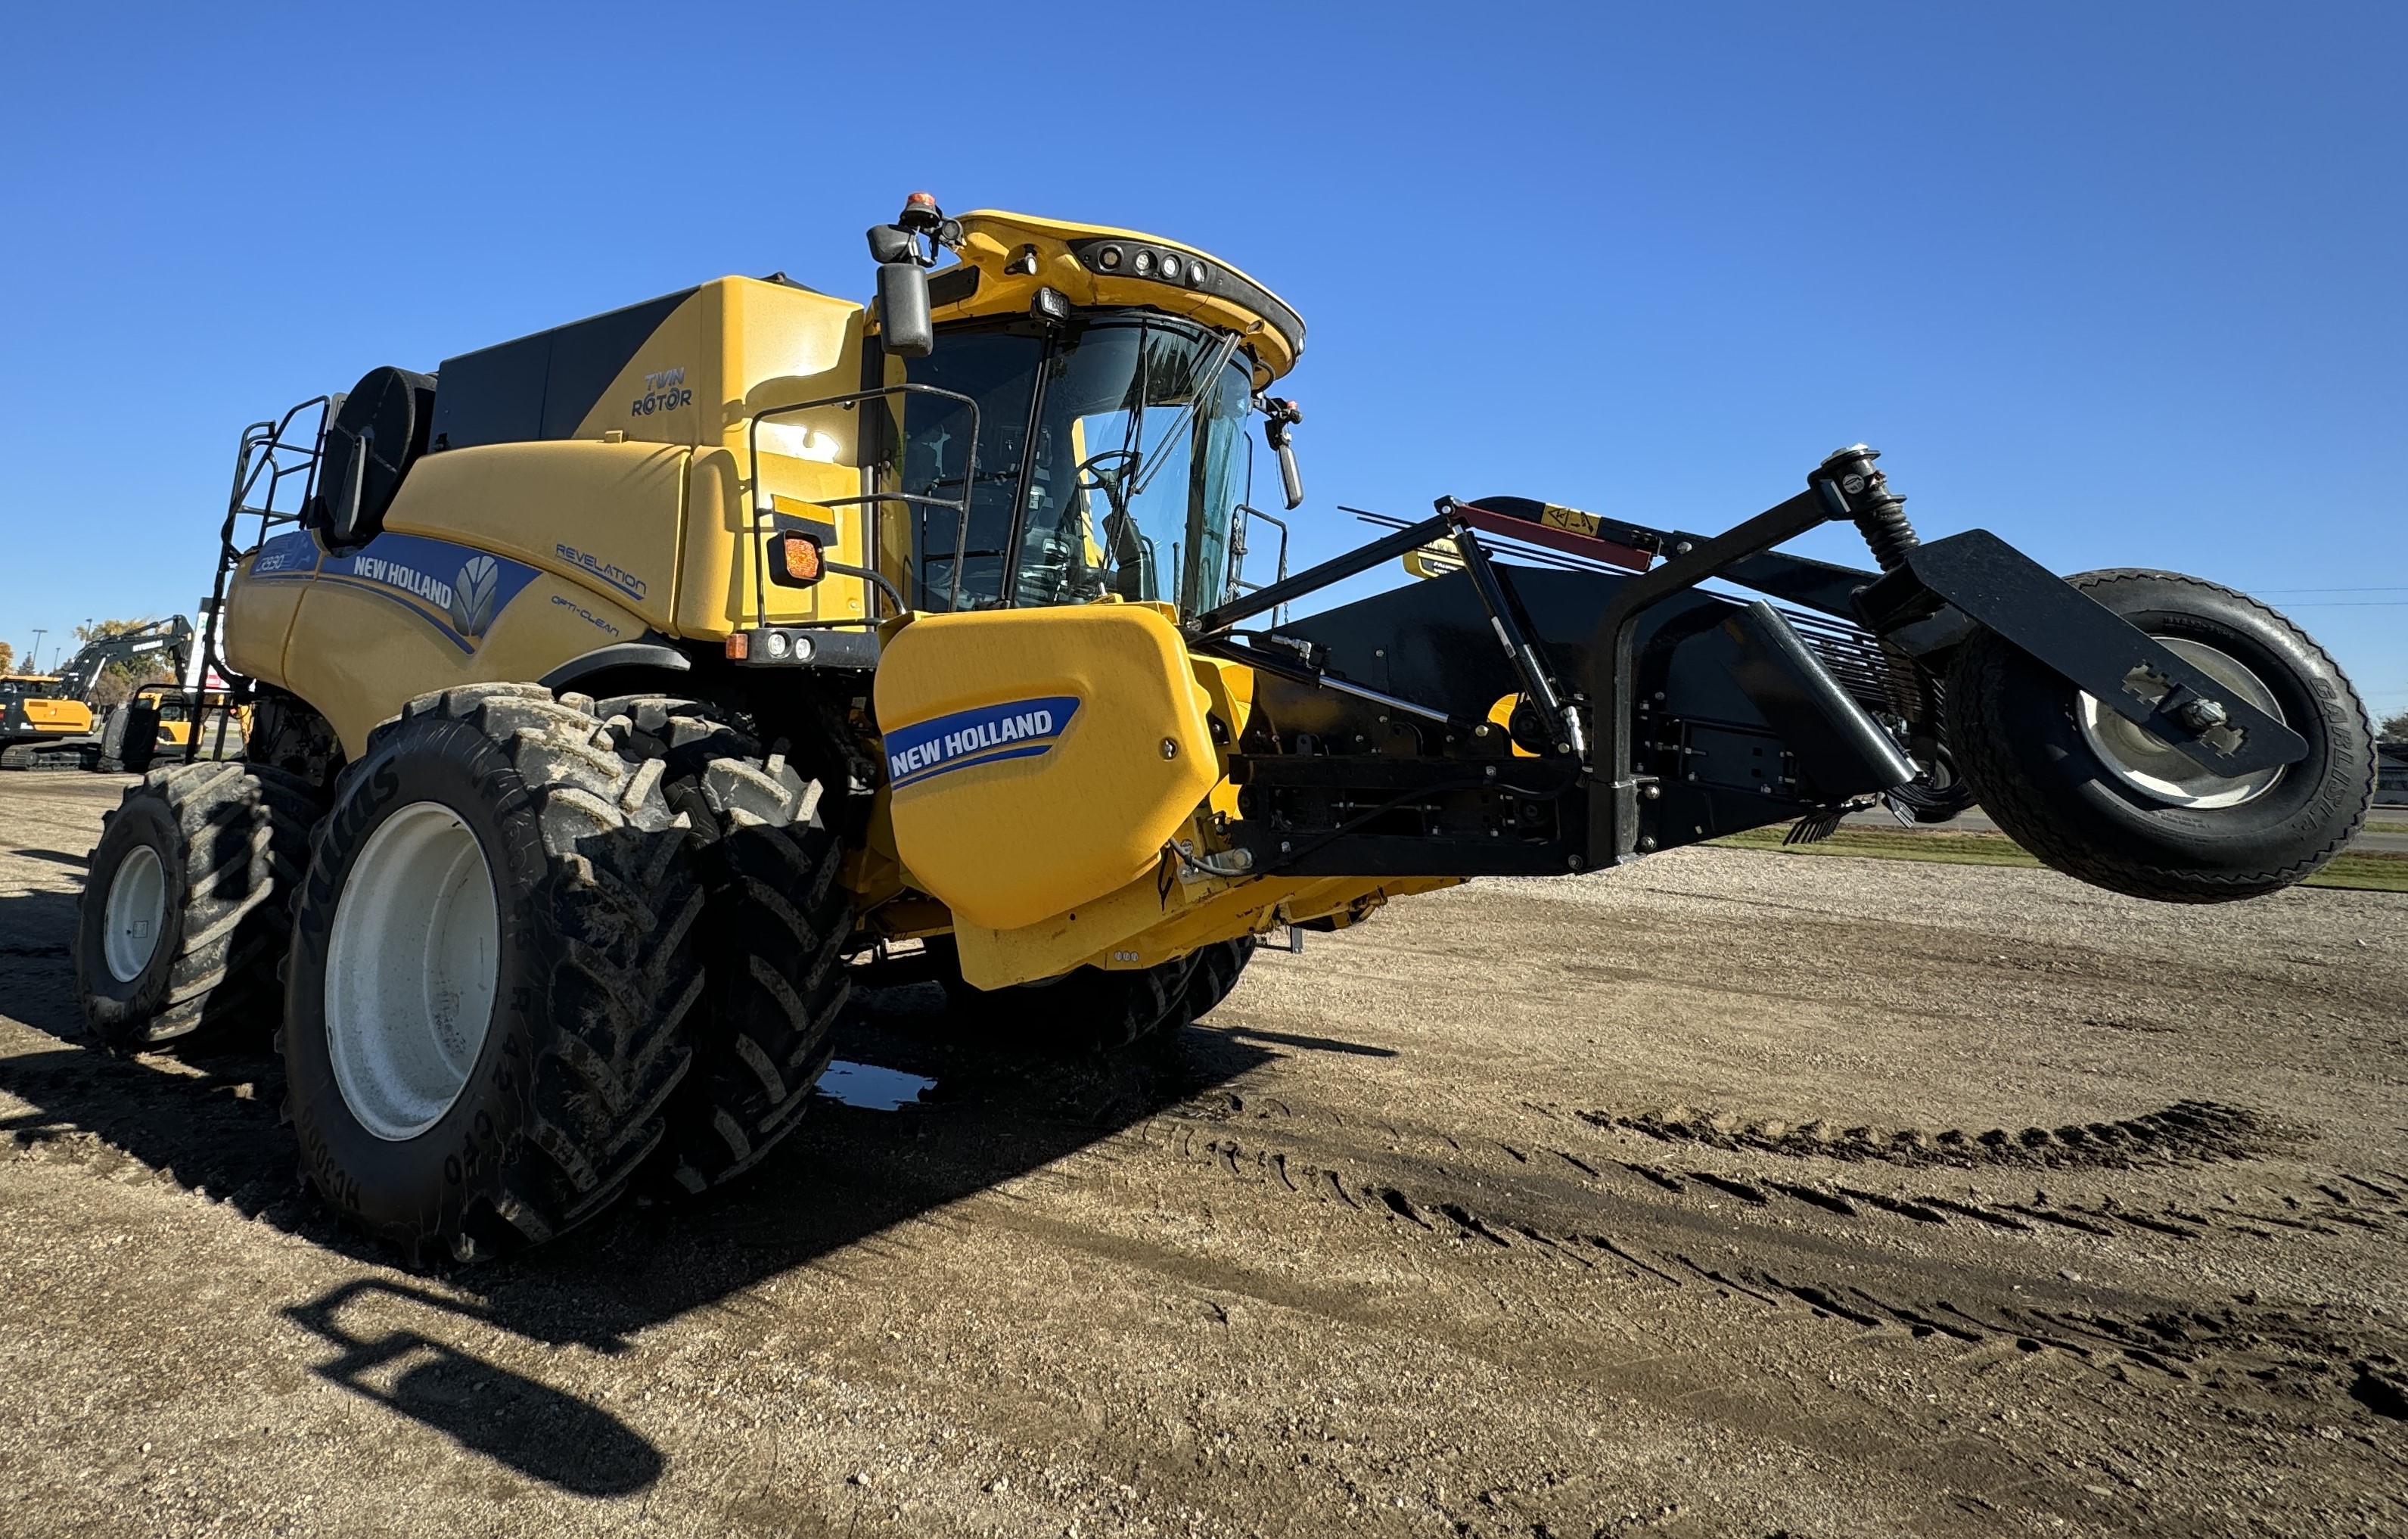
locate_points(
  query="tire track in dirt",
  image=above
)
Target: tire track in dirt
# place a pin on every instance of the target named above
(2329, 1354)
(2186, 1132)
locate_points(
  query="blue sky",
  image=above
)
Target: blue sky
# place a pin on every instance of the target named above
(2127, 284)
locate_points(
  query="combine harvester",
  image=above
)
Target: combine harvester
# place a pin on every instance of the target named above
(624, 693)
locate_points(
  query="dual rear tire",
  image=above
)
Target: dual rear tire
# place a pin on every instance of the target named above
(549, 948)
(493, 961)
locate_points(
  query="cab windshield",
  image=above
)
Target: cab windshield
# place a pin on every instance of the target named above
(1110, 456)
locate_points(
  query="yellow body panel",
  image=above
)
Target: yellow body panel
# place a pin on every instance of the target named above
(1230, 688)
(60, 718)
(722, 589)
(736, 347)
(1011, 806)
(1143, 925)
(361, 652)
(604, 516)
(259, 618)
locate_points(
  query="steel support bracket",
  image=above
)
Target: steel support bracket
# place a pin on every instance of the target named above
(2102, 654)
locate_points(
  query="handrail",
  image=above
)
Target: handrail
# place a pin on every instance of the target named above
(266, 448)
(759, 503)
(1238, 585)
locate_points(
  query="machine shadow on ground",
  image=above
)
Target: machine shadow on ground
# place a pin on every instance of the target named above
(211, 1124)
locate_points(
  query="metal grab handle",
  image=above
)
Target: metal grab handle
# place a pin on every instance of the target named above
(847, 401)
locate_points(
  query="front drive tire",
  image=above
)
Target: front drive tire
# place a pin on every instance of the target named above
(777, 919)
(492, 958)
(2100, 801)
(182, 919)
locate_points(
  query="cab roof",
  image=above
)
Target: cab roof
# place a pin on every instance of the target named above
(1006, 257)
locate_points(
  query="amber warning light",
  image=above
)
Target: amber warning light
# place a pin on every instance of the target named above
(795, 559)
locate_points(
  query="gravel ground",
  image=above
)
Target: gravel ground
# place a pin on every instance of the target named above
(1724, 1194)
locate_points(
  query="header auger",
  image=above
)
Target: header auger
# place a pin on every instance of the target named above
(623, 694)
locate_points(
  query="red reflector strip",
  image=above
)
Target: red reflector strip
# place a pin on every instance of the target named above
(1532, 533)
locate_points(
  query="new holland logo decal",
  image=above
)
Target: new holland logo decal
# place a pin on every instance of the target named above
(457, 589)
(473, 593)
(986, 734)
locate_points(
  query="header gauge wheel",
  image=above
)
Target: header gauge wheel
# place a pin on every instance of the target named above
(2101, 799)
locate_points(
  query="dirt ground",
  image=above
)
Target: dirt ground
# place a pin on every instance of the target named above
(1725, 1194)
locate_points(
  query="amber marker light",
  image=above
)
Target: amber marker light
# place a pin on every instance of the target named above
(803, 559)
(795, 559)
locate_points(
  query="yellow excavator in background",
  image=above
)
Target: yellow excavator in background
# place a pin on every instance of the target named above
(623, 695)
(37, 716)
(47, 721)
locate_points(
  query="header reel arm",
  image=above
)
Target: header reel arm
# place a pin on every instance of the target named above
(1932, 606)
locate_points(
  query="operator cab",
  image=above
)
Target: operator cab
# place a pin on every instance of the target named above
(1075, 426)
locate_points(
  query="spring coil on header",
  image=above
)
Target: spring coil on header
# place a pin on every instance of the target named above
(1880, 513)
(1888, 533)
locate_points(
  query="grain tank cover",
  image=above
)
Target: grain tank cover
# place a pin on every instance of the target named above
(542, 386)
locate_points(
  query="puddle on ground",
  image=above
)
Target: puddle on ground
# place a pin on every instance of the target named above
(868, 1086)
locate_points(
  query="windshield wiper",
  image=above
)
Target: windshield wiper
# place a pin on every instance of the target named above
(1150, 464)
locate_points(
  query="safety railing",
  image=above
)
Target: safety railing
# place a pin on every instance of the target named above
(762, 508)
(273, 454)
(1238, 584)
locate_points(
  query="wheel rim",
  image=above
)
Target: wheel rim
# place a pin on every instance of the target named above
(2149, 763)
(137, 906)
(411, 969)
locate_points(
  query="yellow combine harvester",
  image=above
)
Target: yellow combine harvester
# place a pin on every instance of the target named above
(621, 694)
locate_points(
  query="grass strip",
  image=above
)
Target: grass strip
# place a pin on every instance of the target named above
(2353, 871)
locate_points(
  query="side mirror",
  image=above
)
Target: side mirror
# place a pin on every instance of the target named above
(903, 324)
(1278, 417)
(1290, 481)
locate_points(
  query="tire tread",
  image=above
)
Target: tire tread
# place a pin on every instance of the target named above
(1979, 738)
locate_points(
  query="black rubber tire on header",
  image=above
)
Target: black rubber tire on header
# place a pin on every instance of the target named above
(2016, 737)
(775, 921)
(231, 842)
(1090, 1010)
(596, 975)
